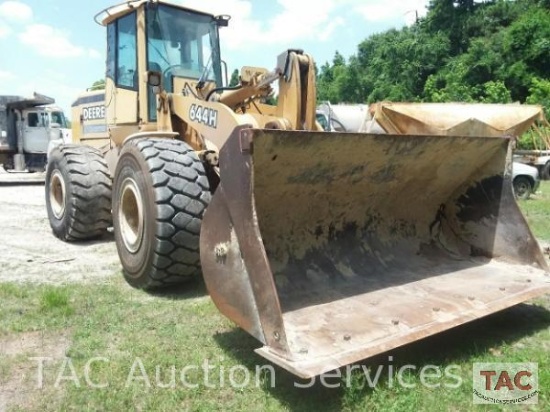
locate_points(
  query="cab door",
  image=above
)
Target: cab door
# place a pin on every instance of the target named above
(122, 80)
(36, 134)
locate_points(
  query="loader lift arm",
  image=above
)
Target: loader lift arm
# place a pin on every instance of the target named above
(295, 109)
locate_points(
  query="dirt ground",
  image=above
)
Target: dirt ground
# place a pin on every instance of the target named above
(20, 389)
(29, 252)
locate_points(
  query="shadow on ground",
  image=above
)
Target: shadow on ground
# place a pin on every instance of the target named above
(107, 237)
(194, 288)
(19, 183)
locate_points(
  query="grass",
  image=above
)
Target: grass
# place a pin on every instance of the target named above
(56, 300)
(136, 348)
(537, 212)
(137, 342)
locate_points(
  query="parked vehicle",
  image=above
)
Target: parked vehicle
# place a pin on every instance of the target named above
(346, 118)
(28, 126)
(540, 159)
(525, 180)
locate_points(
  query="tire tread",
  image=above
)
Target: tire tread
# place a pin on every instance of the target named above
(177, 175)
(89, 192)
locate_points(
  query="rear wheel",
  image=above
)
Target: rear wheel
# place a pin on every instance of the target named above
(78, 192)
(545, 171)
(160, 193)
(522, 187)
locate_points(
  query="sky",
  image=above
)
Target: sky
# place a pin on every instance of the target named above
(55, 48)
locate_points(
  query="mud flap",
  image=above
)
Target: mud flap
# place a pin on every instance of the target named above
(330, 248)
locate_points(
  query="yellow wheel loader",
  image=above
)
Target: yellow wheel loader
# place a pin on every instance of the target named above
(327, 247)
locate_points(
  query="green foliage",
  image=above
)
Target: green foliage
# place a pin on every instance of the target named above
(496, 51)
(534, 139)
(98, 85)
(332, 78)
(539, 93)
(235, 78)
(451, 17)
(271, 100)
(539, 137)
(528, 40)
(448, 84)
(496, 92)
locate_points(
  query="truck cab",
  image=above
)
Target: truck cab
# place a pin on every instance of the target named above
(28, 128)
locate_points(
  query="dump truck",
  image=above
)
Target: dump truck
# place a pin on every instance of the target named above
(27, 127)
(327, 247)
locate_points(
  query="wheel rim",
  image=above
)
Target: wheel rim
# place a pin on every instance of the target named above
(57, 194)
(130, 215)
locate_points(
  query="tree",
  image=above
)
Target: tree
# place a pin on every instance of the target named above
(98, 85)
(539, 93)
(449, 17)
(463, 50)
(235, 78)
(396, 64)
(328, 82)
(496, 92)
(528, 40)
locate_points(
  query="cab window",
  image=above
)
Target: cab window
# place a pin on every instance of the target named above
(37, 119)
(122, 52)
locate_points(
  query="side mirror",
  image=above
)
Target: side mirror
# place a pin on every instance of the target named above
(154, 79)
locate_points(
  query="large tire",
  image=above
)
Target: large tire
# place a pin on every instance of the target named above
(522, 187)
(160, 193)
(545, 171)
(78, 192)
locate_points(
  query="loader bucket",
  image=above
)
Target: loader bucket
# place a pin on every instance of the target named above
(456, 119)
(330, 248)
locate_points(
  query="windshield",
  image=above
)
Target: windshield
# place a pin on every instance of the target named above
(59, 118)
(182, 44)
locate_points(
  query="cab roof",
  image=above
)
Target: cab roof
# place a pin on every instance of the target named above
(109, 14)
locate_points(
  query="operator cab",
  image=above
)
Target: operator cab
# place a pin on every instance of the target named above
(179, 43)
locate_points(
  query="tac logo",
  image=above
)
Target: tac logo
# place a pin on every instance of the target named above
(505, 383)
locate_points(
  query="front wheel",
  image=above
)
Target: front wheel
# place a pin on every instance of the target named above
(160, 193)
